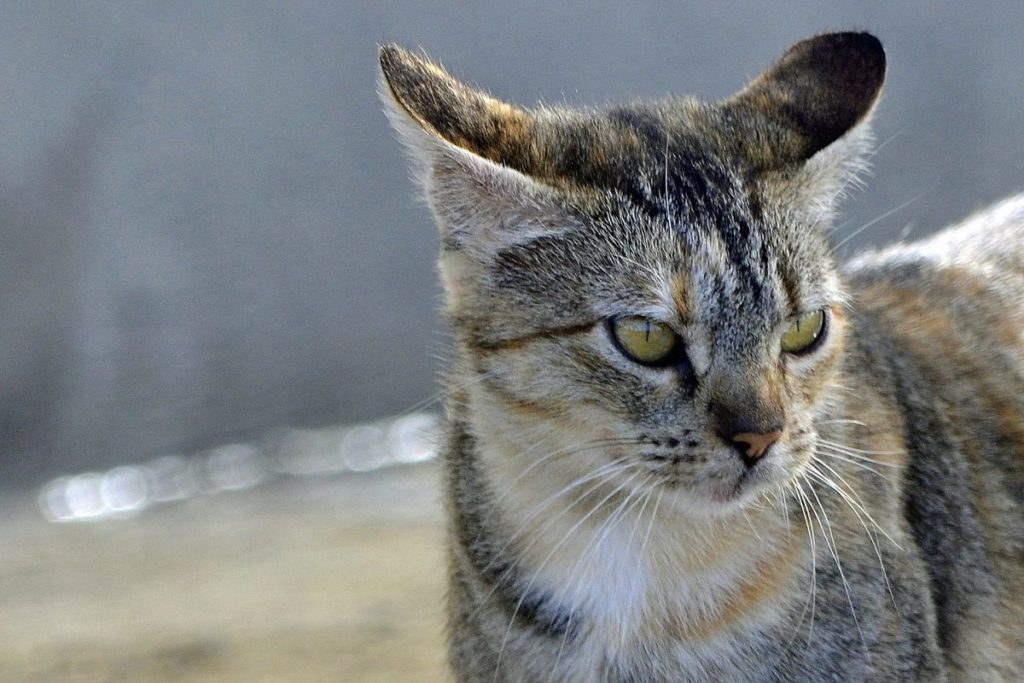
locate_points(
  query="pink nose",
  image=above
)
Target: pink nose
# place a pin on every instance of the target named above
(757, 444)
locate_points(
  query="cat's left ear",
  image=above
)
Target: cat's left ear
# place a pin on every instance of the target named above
(806, 116)
(473, 155)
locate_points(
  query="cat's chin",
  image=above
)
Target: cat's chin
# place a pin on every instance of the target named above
(723, 498)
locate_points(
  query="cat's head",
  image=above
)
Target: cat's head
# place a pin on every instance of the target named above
(650, 282)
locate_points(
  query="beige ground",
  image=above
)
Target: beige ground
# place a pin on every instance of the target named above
(327, 580)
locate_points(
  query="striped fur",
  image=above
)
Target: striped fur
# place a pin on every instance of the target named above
(601, 528)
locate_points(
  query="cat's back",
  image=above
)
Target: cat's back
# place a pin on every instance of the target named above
(962, 286)
(948, 312)
(940, 324)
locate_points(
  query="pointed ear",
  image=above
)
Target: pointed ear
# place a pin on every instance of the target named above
(471, 153)
(817, 92)
(803, 123)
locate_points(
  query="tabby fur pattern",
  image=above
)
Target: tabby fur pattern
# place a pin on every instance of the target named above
(602, 525)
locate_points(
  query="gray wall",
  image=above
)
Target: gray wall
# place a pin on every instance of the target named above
(207, 230)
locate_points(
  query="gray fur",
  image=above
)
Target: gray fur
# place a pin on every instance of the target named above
(601, 526)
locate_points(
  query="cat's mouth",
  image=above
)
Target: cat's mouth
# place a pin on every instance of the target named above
(724, 485)
(745, 488)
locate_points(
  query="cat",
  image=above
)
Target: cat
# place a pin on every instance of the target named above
(683, 443)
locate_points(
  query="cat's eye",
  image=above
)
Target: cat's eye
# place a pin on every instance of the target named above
(804, 333)
(643, 340)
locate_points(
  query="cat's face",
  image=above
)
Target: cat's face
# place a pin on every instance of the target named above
(651, 285)
(663, 333)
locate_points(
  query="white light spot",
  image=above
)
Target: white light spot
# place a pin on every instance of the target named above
(301, 452)
(83, 497)
(170, 478)
(413, 438)
(363, 448)
(235, 467)
(124, 490)
(53, 500)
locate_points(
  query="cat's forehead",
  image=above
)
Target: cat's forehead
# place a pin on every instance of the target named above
(667, 192)
(694, 245)
(646, 150)
(698, 269)
(651, 176)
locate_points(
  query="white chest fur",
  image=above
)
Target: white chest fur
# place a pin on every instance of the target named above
(632, 570)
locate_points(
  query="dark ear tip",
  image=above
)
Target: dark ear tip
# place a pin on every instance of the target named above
(391, 57)
(867, 47)
(400, 65)
(861, 40)
(818, 90)
(860, 53)
(850, 40)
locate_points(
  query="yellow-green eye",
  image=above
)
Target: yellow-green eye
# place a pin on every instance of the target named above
(803, 334)
(643, 340)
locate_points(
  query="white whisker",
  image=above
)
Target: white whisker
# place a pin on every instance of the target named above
(855, 463)
(858, 451)
(566, 451)
(849, 495)
(830, 542)
(874, 544)
(876, 220)
(801, 499)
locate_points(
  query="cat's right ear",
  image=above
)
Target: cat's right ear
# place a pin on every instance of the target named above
(472, 154)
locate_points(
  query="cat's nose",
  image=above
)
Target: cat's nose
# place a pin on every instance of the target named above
(753, 445)
(751, 431)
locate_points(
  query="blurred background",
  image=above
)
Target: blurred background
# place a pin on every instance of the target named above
(210, 252)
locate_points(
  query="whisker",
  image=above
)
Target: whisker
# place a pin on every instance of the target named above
(830, 542)
(859, 451)
(603, 474)
(874, 544)
(851, 493)
(444, 393)
(751, 525)
(802, 501)
(842, 421)
(785, 506)
(885, 142)
(870, 223)
(855, 463)
(832, 450)
(564, 452)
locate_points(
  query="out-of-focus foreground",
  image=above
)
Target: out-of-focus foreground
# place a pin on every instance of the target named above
(336, 579)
